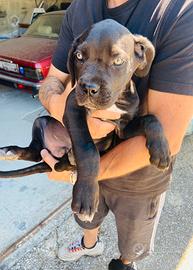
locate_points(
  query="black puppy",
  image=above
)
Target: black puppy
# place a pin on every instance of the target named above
(101, 62)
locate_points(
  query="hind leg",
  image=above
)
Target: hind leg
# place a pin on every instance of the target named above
(56, 139)
(31, 152)
(47, 133)
(14, 152)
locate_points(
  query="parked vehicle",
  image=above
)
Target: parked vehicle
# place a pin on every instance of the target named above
(25, 61)
(12, 26)
(30, 17)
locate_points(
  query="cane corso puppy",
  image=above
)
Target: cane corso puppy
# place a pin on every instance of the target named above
(101, 63)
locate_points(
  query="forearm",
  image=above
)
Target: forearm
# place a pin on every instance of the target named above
(50, 87)
(53, 94)
(125, 158)
(174, 112)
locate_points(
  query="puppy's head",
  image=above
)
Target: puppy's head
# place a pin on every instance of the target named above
(102, 61)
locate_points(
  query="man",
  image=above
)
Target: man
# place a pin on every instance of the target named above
(129, 186)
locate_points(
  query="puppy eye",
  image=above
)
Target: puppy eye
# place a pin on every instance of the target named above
(79, 55)
(118, 61)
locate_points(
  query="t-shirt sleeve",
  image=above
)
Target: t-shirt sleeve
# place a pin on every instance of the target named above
(59, 59)
(172, 70)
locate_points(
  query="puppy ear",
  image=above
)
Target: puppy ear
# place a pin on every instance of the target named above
(70, 61)
(145, 53)
(71, 56)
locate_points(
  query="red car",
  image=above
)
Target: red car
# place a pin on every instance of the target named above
(25, 61)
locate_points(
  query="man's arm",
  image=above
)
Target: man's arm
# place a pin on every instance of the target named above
(54, 91)
(174, 112)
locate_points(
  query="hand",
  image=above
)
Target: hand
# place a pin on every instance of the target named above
(64, 176)
(99, 129)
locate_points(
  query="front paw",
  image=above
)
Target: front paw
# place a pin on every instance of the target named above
(85, 200)
(159, 152)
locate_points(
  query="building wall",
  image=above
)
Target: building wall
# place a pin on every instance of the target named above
(13, 11)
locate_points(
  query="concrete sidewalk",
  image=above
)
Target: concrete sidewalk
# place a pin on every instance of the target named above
(26, 202)
(35, 214)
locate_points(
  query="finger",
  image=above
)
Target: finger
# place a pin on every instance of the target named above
(48, 158)
(106, 114)
(98, 128)
(61, 177)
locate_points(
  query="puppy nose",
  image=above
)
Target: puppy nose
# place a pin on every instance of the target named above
(90, 88)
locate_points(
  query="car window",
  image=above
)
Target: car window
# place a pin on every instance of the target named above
(46, 26)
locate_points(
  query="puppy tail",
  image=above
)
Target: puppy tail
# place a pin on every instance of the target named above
(37, 168)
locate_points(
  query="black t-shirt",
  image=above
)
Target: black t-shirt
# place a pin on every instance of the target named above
(169, 25)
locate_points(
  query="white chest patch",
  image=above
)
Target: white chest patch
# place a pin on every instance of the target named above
(115, 109)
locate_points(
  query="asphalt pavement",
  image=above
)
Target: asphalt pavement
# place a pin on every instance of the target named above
(35, 214)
